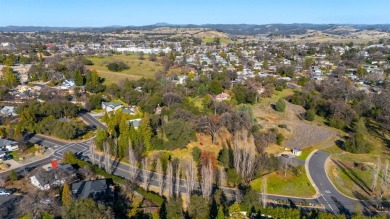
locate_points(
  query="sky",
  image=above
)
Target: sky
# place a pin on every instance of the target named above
(99, 13)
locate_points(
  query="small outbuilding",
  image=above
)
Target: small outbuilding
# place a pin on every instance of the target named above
(297, 151)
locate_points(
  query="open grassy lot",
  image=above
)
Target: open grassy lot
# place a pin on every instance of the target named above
(291, 185)
(138, 68)
(352, 174)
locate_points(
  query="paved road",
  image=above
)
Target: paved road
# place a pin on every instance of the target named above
(92, 120)
(332, 200)
(124, 170)
(4, 199)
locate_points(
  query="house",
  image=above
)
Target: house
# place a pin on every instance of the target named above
(6, 144)
(49, 178)
(129, 110)
(8, 111)
(67, 84)
(297, 151)
(99, 190)
(110, 106)
(222, 96)
(135, 123)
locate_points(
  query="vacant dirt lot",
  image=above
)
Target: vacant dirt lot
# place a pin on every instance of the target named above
(299, 133)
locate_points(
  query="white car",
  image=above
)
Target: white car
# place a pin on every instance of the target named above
(4, 192)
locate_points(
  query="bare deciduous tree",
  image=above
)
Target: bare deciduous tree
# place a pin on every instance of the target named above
(189, 171)
(169, 179)
(177, 180)
(264, 192)
(145, 172)
(92, 151)
(160, 174)
(107, 160)
(210, 125)
(133, 170)
(207, 178)
(222, 176)
(385, 179)
(244, 150)
(376, 174)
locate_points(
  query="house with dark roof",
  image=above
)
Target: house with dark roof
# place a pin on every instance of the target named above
(99, 190)
(49, 178)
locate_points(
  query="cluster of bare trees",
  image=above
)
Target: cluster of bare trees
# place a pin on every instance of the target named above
(380, 176)
(244, 150)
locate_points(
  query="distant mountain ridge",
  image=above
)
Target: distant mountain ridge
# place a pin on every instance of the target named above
(233, 29)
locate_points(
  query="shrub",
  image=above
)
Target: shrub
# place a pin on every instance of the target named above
(310, 115)
(280, 105)
(117, 66)
(279, 139)
(337, 123)
(282, 126)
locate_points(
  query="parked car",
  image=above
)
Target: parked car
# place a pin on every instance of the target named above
(7, 157)
(4, 192)
(285, 155)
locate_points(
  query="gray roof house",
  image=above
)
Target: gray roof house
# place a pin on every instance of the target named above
(49, 177)
(5, 142)
(101, 189)
(135, 123)
(8, 111)
(110, 106)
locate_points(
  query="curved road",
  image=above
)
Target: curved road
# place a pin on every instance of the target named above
(329, 197)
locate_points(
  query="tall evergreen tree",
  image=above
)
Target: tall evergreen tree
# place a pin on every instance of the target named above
(66, 195)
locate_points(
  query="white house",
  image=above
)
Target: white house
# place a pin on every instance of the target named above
(110, 106)
(67, 84)
(8, 111)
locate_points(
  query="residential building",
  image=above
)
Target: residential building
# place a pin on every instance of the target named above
(111, 106)
(99, 190)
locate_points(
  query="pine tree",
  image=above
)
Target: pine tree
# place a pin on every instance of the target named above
(123, 140)
(235, 211)
(145, 132)
(220, 215)
(66, 195)
(78, 78)
(265, 64)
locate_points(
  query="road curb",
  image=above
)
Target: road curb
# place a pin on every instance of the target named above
(326, 172)
(309, 176)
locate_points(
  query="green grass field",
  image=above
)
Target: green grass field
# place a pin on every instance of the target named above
(138, 68)
(211, 40)
(305, 153)
(290, 186)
